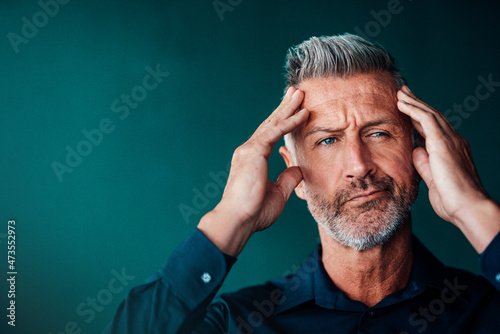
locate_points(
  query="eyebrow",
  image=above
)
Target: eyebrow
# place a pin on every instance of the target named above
(389, 121)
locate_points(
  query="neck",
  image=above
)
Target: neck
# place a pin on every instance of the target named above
(369, 276)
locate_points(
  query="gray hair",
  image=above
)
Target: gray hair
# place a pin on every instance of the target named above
(336, 57)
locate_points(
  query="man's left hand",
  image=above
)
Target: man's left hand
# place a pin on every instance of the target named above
(446, 166)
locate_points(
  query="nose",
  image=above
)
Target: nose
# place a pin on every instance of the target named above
(357, 160)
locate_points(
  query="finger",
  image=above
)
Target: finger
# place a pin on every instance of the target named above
(424, 122)
(286, 108)
(405, 89)
(288, 181)
(272, 134)
(407, 96)
(402, 96)
(289, 92)
(262, 142)
(290, 106)
(418, 127)
(421, 163)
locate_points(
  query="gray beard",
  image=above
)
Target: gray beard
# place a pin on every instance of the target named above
(370, 224)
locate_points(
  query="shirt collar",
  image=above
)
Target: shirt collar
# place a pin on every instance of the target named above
(312, 283)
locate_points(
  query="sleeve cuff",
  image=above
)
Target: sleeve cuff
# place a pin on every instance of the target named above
(490, 262)
(197, 269)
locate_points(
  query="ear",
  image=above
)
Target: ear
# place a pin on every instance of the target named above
(289, 161)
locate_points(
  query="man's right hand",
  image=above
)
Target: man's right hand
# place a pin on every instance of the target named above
(251, 202)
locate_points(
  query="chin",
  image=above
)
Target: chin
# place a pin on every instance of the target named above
(368, 229)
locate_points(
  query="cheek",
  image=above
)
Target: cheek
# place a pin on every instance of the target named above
(319, 172)
(397, 164)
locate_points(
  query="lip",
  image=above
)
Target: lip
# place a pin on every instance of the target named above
(366, 196)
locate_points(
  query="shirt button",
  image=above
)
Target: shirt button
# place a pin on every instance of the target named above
(497, 278)
(372, 313)
(206, 277)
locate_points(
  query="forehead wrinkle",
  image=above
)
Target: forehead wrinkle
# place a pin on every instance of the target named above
(349, 110)
(354, 100)
(364, 86)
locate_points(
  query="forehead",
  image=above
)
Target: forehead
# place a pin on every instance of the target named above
(366, 95)
(318, 90)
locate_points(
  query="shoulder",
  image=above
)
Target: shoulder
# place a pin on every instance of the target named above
(248, 297)
(469, 285)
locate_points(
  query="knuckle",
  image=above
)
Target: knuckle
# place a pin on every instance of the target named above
(270, 121)
(245, 150)
(266, 121)
(239, 151)
(430, 117)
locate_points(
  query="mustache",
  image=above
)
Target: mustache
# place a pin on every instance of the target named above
(358, 186)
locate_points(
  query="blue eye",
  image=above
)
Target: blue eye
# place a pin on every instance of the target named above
(327, 141)
(379, 134)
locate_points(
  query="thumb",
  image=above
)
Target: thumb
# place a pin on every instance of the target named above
(288, 180)
(421, 163)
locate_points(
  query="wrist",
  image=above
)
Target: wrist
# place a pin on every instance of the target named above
(227, 234)
(479, 222)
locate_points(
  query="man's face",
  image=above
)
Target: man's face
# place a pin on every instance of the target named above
(355, 154)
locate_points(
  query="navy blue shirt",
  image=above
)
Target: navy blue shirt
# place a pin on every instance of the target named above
(180, 298)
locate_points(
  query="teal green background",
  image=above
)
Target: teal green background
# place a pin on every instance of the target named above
(120, 207)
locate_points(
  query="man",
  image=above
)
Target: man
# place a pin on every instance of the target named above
(353, 155)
